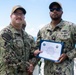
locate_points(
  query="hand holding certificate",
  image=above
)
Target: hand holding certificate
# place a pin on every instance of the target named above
(51, 50)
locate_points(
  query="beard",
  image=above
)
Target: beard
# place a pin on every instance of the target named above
(55, 17)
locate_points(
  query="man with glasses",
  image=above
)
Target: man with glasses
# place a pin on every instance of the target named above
(59, 31)
(16, 50)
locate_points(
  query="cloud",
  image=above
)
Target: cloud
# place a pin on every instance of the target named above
(41, 25)
(33, 30)
(1, 27)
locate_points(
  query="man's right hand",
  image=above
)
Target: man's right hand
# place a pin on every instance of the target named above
(30, 69)
(36, 52)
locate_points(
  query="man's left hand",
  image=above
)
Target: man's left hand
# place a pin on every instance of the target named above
(62, 58)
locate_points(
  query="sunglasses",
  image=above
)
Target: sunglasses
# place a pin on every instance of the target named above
(57, 9)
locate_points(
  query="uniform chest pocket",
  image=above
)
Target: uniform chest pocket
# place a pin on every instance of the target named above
(64, 35)
(18, 43)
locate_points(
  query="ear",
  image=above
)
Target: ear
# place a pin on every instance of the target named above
(62, 12)
(24, 17)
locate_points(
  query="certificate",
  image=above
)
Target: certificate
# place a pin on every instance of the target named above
(51, 50)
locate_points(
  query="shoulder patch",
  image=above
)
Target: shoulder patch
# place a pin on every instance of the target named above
(6, 37)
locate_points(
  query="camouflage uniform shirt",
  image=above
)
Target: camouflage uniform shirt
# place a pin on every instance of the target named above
(63, 32)
(16, 48)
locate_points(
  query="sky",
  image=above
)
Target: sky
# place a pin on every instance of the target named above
(37, 13)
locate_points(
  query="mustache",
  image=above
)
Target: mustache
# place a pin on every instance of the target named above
(18, 19)
(54, 14)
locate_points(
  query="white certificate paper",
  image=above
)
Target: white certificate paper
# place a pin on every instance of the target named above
(51, 50)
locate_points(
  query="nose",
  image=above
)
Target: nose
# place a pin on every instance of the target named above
(54, 10)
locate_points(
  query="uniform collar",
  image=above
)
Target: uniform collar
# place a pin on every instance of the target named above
(49, 27)
(14, 30)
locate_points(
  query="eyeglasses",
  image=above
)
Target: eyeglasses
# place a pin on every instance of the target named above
(19, 14)
(57, 9)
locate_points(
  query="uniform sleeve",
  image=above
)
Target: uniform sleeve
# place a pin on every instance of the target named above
(32, 58)
(38, 40)
(32, 42)
(37, 44)
(72, 53)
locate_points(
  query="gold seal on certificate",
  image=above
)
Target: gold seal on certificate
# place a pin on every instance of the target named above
(51, 50)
